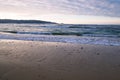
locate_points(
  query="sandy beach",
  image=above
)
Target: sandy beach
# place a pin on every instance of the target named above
(35, 60)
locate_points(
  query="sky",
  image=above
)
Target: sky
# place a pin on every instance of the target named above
(63, 11)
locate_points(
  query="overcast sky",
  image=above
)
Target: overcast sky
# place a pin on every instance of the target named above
(63, 11)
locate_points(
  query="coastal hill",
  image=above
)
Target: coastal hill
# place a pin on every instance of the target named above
(25, 21)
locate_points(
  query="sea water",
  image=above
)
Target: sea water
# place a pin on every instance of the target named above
(69, 33)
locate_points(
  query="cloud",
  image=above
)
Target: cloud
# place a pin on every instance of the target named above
(72, 7)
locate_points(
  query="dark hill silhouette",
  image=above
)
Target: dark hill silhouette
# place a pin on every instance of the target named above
(25, 21)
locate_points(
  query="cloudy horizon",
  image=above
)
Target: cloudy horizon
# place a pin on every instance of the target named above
(63, 11)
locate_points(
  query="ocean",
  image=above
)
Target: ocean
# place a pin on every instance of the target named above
(67, 33)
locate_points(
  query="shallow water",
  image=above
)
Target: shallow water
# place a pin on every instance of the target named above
(57, 29)
(86, 34)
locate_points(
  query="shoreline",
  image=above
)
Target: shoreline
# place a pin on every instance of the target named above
(36, 60)
(64, 39)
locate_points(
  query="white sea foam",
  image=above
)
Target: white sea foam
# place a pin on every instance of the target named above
(66, 39)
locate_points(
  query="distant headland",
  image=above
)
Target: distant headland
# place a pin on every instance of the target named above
(25, 21)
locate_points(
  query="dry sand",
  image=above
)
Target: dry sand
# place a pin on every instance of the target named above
(31, 60)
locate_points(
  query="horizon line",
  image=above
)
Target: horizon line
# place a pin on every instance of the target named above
(60, 22)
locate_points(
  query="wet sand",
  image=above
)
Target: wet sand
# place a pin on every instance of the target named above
(32, 60)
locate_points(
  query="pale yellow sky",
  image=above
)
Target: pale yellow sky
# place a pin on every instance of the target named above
(62, 18)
